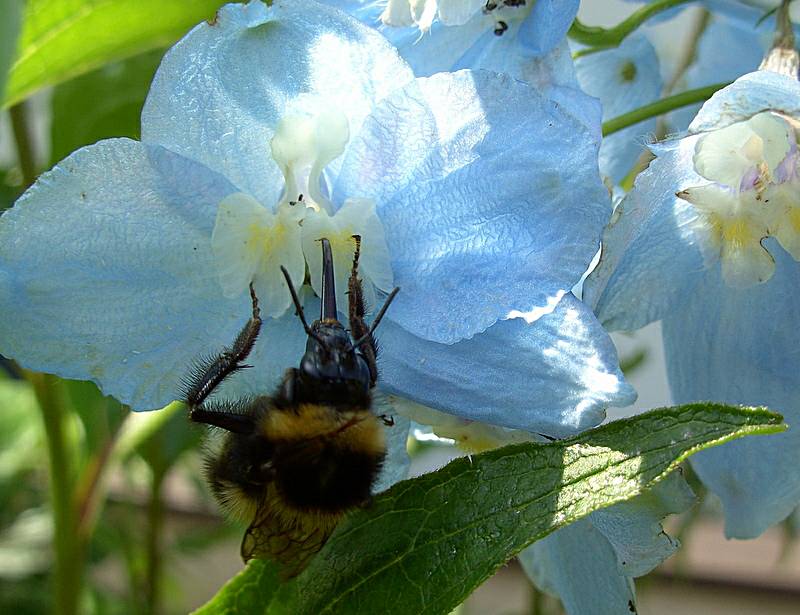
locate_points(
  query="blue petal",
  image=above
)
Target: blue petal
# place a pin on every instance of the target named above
(475, 46)
(741, 347)
(106, 273)
(554, 376)
(650, 261)
(220, 91)
(590, 564)
(747, 96)
(489, 195)
(623, 79)
(547, 25)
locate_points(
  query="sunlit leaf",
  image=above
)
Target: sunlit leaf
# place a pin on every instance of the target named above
(427, 543)
(62, 39)
(10, 19)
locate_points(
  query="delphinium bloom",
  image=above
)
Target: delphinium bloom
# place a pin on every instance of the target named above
(272, 127)
(708, 242)
(526, 40)
(530, 45)
(600, 580)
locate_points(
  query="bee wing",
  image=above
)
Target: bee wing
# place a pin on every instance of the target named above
(285, 535)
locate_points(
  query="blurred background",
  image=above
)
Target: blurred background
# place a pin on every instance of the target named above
(147, 529)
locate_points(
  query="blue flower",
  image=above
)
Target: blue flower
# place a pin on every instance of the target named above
(474, 193)
(708, 242)
(523, 39)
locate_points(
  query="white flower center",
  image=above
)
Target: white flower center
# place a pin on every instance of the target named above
(755, 194)
(251, 242)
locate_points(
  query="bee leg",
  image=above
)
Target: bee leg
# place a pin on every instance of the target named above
(387, 419)
(225, 417)
(356, 311)
(209, 374)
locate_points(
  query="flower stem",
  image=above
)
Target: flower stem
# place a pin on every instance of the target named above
(62, 449)
(22, 137)
(155, 526)
(597, 38)
(660, 107)
(69, 551)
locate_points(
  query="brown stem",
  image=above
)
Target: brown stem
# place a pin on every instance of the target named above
(783, 57)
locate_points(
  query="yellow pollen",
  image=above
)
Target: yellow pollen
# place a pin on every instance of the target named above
(794, 218)
(737, 232)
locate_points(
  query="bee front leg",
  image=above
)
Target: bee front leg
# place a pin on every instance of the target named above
(209, 374)
(356, 312)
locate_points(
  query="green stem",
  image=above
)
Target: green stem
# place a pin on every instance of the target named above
(155, 525)
(22, 136)
(604, 38)
(660, 107)
(135, 429)
(69, 551)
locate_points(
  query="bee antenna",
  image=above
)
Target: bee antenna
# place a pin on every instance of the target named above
(378, 318)
(300, 313)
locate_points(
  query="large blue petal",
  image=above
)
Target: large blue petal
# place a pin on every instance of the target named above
(489, 196)
(554, 376)
(220, 92)
(106, 272)
(740, 346)
(623, 79)
(591, 564)
(547, 25)
(650, 260)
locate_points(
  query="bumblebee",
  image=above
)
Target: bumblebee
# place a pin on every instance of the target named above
(294, 463)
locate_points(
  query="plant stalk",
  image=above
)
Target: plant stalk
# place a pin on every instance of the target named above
(660, 107)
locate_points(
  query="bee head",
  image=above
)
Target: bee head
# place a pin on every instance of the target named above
(331, 364)
(333, 367)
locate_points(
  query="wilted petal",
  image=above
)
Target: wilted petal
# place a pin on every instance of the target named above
(563, 367)
(489, 195)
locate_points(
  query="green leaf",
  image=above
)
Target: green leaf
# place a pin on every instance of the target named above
(250, 591)
(10, 18)
(114, 93)
(425, 544)
(62, 39)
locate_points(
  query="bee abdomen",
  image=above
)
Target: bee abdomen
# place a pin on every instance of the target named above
(329, 478)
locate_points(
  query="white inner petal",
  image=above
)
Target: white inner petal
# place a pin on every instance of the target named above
(757, 145)
(302, 146)
(251, 241)
(397, 13)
